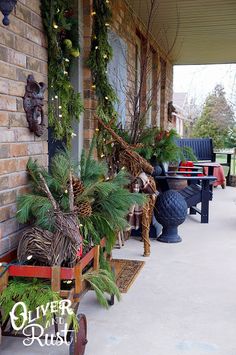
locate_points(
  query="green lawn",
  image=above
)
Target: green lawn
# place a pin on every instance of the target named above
(222, 158)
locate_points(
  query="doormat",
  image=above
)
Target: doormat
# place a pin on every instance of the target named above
(126, 272)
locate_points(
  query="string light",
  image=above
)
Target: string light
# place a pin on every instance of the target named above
(66, 191)
(29, 257)
(60, 115)
(93, 86)
(97, 129)
(73, 134)
(96, 47)
(55, 25)
(81, 225)
(102, 155)
(67, 60)
(65, 72)
(93, 13)
(107, 1)
(52, 99)
(59, 107)
(56, 97)
(105, 56)
(107, 24)
(106, 97)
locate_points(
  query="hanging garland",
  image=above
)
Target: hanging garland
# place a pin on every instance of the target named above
(63, 45)
(100, 55)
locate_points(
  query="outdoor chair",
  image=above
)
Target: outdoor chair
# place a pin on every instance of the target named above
(197, 191)
(204, 151)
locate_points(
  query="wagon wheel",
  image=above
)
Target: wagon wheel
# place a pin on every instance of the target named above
(79, 340)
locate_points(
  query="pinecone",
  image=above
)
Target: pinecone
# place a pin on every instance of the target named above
(84, 209)
(78, 186)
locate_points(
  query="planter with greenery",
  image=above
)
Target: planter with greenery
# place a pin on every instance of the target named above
(100, 205)
(159, 146)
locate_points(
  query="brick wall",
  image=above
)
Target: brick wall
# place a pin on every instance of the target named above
(22, 52)
(126, 25)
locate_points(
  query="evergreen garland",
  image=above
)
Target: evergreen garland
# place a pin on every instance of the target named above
(34, 293)
(101, 53)
(63, 45)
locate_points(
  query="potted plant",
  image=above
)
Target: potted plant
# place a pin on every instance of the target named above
(158, 146)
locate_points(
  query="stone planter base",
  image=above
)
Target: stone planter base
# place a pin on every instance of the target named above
(169, 235)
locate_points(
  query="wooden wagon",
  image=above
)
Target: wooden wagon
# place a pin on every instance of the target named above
(56, 275)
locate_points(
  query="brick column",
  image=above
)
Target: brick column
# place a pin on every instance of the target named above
(89, 93)
(22, 52)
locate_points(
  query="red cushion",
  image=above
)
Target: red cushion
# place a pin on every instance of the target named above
(187, 164)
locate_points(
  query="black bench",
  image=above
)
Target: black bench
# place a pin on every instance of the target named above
(203, 150)
(198, 191)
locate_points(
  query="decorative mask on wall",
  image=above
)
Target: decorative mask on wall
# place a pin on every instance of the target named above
(6, 7)
(33, 105)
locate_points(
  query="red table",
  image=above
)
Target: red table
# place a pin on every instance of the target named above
(215, 169)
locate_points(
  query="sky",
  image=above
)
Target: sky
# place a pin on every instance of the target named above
(200, 80)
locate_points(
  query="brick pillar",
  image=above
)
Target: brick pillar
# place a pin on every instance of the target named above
(23, 51)
(89, 93)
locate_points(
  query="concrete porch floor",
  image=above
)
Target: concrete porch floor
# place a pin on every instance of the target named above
(183, 301)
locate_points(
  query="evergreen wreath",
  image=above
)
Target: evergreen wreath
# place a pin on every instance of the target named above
(63, 45)
(101, 53)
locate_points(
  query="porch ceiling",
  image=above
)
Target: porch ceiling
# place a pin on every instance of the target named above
(205, 30)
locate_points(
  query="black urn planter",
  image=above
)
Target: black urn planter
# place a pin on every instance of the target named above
(170, 211)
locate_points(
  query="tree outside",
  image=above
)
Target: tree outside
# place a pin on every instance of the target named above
(217, 120)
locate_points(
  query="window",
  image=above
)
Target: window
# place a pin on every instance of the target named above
(117, 73)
